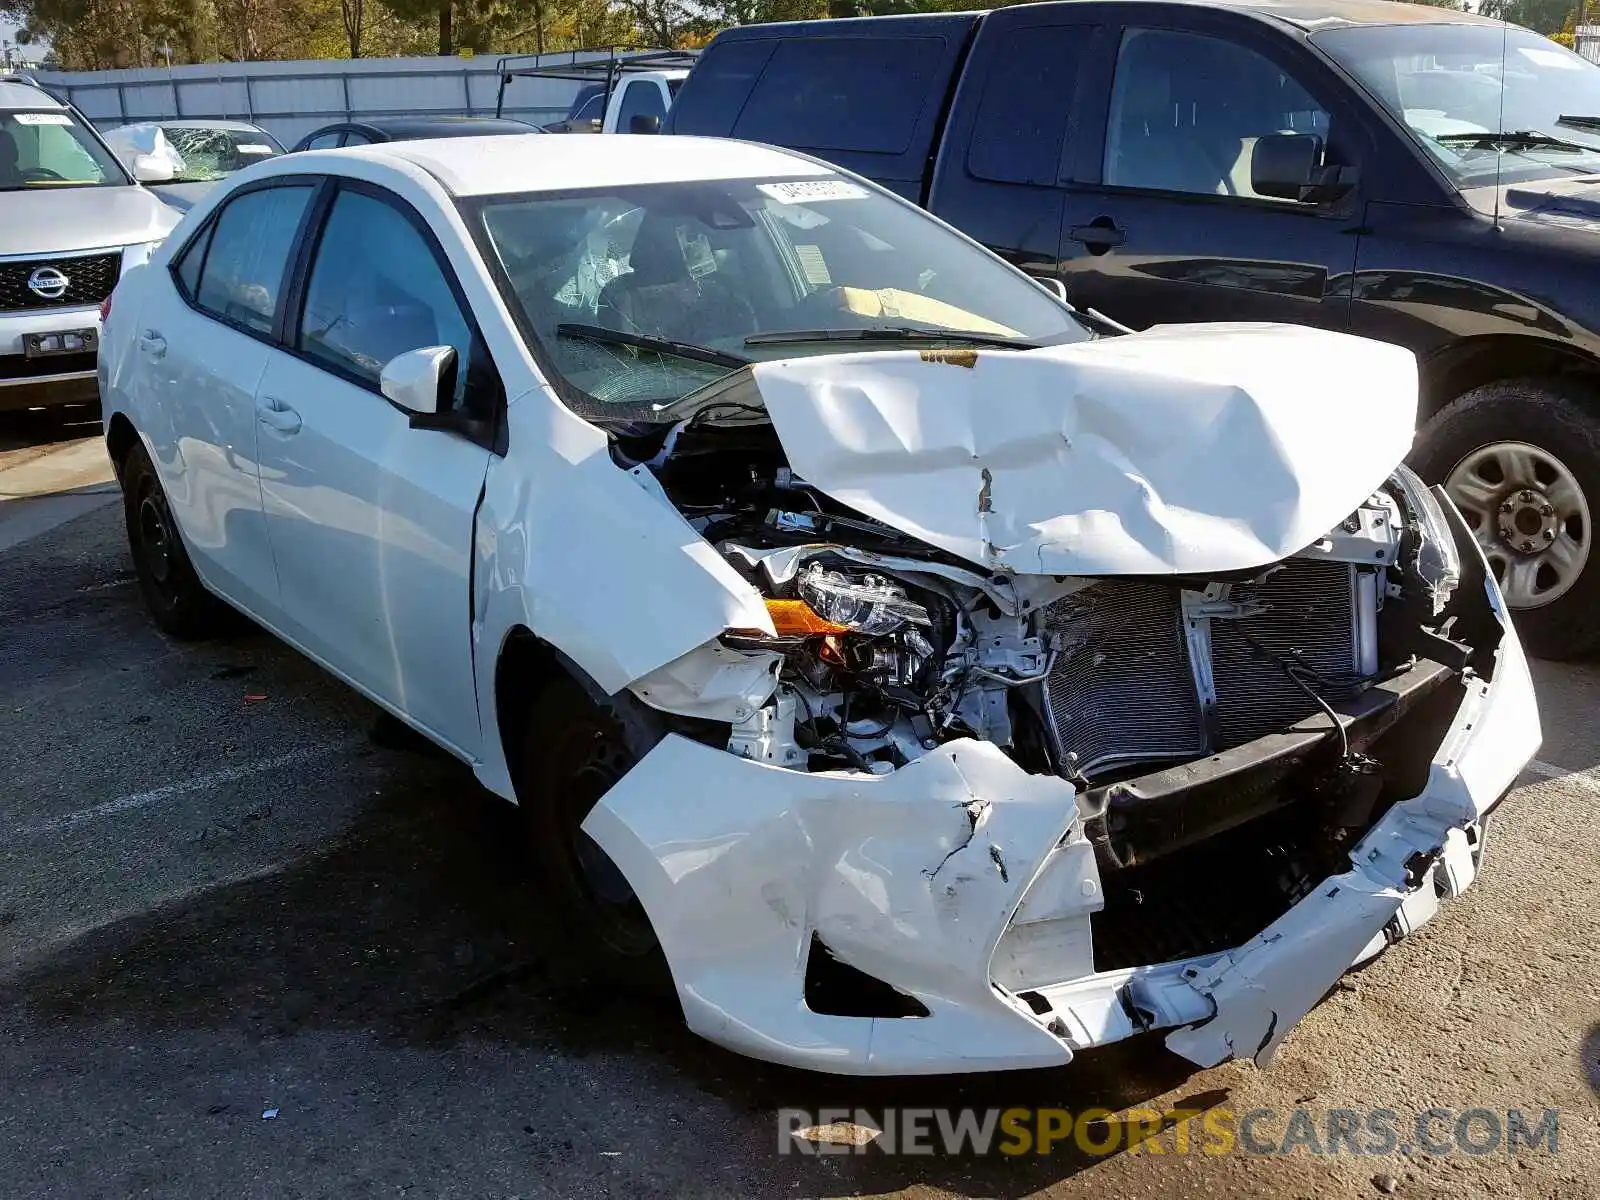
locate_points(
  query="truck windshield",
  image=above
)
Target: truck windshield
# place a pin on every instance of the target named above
(1445, 83)
(40, 150)
(695, 278)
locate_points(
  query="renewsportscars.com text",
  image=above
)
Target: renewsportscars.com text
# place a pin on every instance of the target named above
(1368, 1132)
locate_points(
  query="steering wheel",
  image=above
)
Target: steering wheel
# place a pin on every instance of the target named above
(41, 173)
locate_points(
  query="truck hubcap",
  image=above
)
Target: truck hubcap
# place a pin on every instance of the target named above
(1529, 514)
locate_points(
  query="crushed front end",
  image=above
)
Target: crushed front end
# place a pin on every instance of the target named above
(955, 815)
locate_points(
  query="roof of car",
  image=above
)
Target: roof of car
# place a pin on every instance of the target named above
(25, 96)
(421, 127)
(500, 165)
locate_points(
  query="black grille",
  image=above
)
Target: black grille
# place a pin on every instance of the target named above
(14, 366)
(1122, 689)
(90, 279)
(1310, 624)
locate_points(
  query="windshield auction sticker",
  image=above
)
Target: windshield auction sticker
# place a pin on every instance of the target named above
(41, 118)
(809, 191)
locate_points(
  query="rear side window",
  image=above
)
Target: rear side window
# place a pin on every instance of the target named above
(1026, 100)
(250, 242)
(861, 94)
(324, 141)
(193, 259)
(718, 87)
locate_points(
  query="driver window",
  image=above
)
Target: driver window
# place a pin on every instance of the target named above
(375, 292)
(1187, 109)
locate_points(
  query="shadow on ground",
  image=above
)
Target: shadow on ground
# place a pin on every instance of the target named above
(418, 927)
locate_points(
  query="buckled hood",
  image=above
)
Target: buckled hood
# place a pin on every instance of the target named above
(1183, 449)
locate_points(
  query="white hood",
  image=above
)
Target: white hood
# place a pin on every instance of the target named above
(1183, 449)
(60, 220)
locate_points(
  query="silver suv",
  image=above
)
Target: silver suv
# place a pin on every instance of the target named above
(72, 219)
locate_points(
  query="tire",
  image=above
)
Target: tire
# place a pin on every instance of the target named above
(1521, 460)
(573, 750)
(177, 600)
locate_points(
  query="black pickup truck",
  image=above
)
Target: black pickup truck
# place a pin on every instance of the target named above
(1419, 175)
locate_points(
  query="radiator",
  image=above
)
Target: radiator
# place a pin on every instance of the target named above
(1123, 689)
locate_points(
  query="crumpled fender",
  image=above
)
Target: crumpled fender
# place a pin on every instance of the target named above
(911, 877)
(1194, 448)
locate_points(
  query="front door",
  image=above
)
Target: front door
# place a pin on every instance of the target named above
(1169, 229)
(371, 520)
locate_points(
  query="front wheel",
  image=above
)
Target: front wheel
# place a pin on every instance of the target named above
(1521, 460)
(573, 752)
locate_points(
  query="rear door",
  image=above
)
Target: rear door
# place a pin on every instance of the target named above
(1164, 225)
(201, 347)
(371, 520)
(1018, 109)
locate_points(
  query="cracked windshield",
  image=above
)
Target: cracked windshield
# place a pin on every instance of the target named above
(208, 154)
(635, 297)
(1444, 82)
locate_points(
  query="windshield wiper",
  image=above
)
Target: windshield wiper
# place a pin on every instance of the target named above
(1521, 139)
(643, 341)
(1587, 124)
(885, 333)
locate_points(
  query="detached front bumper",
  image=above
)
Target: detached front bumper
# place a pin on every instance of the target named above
(967, 883)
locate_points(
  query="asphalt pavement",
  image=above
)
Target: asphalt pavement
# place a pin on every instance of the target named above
(250, 946)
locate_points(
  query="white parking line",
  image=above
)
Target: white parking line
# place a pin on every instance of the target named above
(199, 783)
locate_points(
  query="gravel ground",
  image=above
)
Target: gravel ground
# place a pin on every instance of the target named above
(221, 895)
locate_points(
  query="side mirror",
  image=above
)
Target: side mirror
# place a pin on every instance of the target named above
(1289, 167)
(644, 123)
(147, 168)
(1282, 165)
(417, 379)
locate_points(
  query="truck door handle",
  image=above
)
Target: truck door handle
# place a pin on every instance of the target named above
(275, 414)
(153, 344)
(1098, 236)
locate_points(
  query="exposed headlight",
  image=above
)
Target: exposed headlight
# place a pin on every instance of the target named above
(867, 603)
(1438, 558)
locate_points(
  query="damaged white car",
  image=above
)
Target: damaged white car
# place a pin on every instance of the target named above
(916, 677)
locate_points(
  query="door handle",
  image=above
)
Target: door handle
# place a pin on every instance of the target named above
(275, 414)
(153, 344)
(1098, 236)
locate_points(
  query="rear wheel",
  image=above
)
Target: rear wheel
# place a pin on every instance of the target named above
(573, 752)
(172, 591)
(1521, 460)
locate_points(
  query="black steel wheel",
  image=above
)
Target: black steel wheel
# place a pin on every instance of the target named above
(177, 599)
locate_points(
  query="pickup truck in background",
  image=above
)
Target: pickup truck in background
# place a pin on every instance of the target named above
(1419, 175)
(619, 94)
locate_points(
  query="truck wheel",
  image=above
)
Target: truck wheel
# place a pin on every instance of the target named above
(172, 591)
(1521, 458)
(573, 751)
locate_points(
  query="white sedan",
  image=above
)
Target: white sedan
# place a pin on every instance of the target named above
(909, 677)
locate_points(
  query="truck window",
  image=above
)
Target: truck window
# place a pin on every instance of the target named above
(722, 81)
(641, 99)
(1186, 110)
(861, 94)
(1023, 108)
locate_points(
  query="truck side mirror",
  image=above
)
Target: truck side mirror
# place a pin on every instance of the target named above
(644, 123)
(1282, 164)
(1289, 166)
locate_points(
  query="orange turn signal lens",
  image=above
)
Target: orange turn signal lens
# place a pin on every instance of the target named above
(796, 618)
